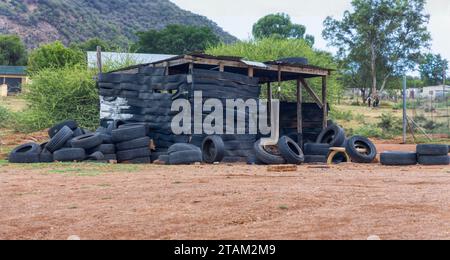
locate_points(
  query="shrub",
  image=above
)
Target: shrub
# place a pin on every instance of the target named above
(5, 116)
(390, 124)
(54, 55)
(273, 49)
(59, 94)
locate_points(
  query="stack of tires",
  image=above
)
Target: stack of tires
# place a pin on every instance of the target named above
(237, 148)
(68, 143)
(433, 154)
(132, 143)
(332, 136)
(316, 152)
(286, 151)
(182, 154)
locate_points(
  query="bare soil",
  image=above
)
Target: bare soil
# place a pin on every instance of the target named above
(348, 201)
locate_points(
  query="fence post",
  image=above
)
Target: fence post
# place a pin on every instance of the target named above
(405, 117)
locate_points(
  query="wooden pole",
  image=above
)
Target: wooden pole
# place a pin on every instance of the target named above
(324, 102)
(269, 99)
(300, 113)
(99, 60)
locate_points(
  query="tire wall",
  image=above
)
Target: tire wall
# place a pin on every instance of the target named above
(225, 86)
(146, 94)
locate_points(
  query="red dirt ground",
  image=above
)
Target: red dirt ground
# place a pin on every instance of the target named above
(349, 201)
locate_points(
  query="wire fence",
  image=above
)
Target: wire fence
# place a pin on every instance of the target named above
(428, 111)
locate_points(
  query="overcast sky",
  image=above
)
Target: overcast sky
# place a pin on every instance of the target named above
(238, 16)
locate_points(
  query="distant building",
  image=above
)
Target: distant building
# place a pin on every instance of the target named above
(116, 57)
(12, 78)
(434, 91)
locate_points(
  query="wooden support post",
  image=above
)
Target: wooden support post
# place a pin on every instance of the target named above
(311, 92)
(250, 72)
(300, 113)
(269, 100)
(221, 67)
(99, 60)
(166, 66)
(324, 102)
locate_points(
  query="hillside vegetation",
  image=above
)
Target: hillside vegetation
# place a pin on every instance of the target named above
(43, 21)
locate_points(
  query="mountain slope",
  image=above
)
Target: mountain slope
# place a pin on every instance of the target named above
(42, 21)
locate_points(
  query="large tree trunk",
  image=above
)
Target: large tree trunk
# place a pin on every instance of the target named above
(373, 70)
(363, 95)
(383, 86)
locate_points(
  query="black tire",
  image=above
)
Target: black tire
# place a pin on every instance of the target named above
(87, 141)
(266, 157)
(128, 133)
(110, 78)
(133, 154)
(185, 157)
(432, 149)
(143, 142)
(103, 148)
(164, 158)
(26, 153)
(213, 149)
(147, 128)
(332, 135)
(361, 142)
(290, 150)
(398, 158)
(97, 156)
(60, 139)
(143, 160)
(54, 130)
(182, 147)
(316, 149)
(316, 159)
(106, 138)
(78, 132)
(434, 159)
(70, 155)
(45, 156)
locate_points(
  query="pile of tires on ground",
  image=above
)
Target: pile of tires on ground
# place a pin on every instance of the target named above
(69, 143)
(132, 143)
(426, 154)
(360, 149)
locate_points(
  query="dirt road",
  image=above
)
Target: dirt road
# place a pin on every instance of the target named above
(223, 202)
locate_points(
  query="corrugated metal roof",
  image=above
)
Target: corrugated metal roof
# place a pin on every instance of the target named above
(13, 70)
(117, 57)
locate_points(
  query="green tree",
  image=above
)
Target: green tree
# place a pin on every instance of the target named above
(433, 69)
(176, 39)
(54, 55)
(275, 48)
(12, 51)
(280, 26)
(392, 33)
(91, 45)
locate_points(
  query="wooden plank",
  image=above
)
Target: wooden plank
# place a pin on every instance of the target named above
(324, 102)
(238, 64)
(99, 60)
(312, 93)
(300, 113)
